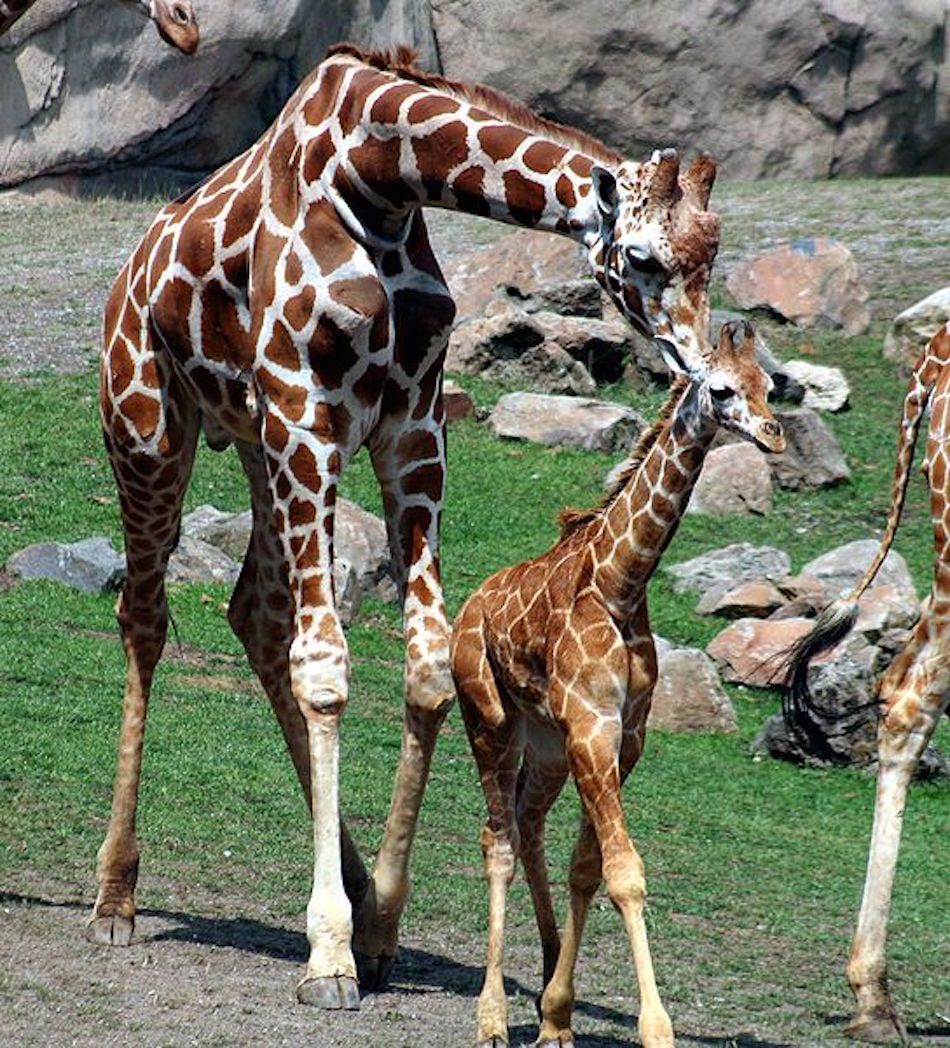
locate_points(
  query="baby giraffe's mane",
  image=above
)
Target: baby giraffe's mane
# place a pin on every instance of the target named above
(570, 520)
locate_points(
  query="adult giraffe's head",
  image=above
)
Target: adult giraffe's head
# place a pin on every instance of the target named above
(655, 251)
(175, 21)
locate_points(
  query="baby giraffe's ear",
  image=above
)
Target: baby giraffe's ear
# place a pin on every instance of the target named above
(605, 191)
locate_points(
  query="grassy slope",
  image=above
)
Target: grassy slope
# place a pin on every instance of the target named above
(754, 868)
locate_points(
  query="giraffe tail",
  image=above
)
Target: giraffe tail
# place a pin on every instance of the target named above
(804, 718)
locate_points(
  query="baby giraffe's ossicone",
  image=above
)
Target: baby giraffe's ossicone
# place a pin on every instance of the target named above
(554, 665)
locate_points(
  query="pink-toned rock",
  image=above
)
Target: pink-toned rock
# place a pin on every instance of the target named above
(688, 695)
(885, 608)
(806, 597)
(811, 282)
(736, 480)
(458, 404)
(754, 651)
(754, 600)
(525, 260)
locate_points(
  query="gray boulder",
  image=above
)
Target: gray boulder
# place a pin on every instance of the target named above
(841, 569)
(87, 88)
(688, 695)
(570, 422)
(914, 327)
(727, 567)
(812, 457)
(195, 560)
(843, 684)
(91, 565)
(735, 481)
(825, 388)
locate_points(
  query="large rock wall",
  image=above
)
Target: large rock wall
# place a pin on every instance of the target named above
(809, 89)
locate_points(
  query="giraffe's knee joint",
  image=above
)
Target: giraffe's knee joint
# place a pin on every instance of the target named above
(626, 883)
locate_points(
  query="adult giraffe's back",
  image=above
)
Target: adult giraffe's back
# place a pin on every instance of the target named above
(291, 305)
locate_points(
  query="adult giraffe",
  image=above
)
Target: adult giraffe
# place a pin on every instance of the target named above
(291, 304)
(912, 694)
(174, 19)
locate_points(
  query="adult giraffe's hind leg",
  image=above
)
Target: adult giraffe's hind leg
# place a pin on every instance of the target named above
(150, 436)
(409, 459)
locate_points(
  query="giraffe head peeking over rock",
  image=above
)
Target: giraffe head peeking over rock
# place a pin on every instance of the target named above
(174, 19)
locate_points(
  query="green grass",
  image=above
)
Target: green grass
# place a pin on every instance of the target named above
(754, 867)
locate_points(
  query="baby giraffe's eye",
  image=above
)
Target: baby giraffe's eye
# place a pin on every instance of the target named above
(721, 393)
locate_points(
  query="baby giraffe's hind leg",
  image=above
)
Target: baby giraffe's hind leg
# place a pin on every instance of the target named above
(538, 788)
(497, 744)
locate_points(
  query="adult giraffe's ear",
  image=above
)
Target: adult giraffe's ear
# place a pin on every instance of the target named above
(605, 192)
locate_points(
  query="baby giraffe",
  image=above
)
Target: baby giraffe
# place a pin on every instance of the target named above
(554, 664)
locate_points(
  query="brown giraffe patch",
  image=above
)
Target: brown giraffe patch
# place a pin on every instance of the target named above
(330, 246)
(543, 156)
(385, 109)
(331, 354)
(442, 150)
(500, 142)
(299, 309)
(525, 198)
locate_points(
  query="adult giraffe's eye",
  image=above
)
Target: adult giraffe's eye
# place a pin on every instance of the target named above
(645, 264)
(721, 394)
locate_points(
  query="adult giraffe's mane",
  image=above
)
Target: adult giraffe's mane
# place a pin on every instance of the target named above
(402, 61)
(570, 520)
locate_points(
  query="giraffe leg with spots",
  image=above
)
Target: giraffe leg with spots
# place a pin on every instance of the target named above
(261, 615)
(302, 465)
(539, 785)
(150, 434)
(600, 762)
(914, 694)
(496, 733)
(408, 454)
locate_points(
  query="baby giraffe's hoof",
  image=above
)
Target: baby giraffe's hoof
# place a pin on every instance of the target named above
(561, 1042)
(373, 972)
(492, 1042)
(330, 992)
(112, 930)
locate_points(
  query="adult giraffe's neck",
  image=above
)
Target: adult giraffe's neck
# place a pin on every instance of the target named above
(399, 144)
(642, 519)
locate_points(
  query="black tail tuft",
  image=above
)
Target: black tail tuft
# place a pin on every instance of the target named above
(804, 719)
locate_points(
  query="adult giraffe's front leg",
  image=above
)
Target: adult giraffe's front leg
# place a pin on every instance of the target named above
(409, 459)
(913, 695)
(303, 471)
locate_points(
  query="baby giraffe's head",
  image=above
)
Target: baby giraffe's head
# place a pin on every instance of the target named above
(735, 391)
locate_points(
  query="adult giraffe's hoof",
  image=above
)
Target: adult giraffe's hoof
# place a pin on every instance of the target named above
(373, 972)
(111, 930)
(880, 1028)
(492, 1042)
(559, 1043)
(330, 992)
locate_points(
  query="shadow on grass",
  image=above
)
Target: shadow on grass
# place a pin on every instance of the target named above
(416, 972)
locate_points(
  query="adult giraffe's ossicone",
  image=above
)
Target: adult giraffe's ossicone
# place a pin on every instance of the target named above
(174, 19)
(291, 305)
